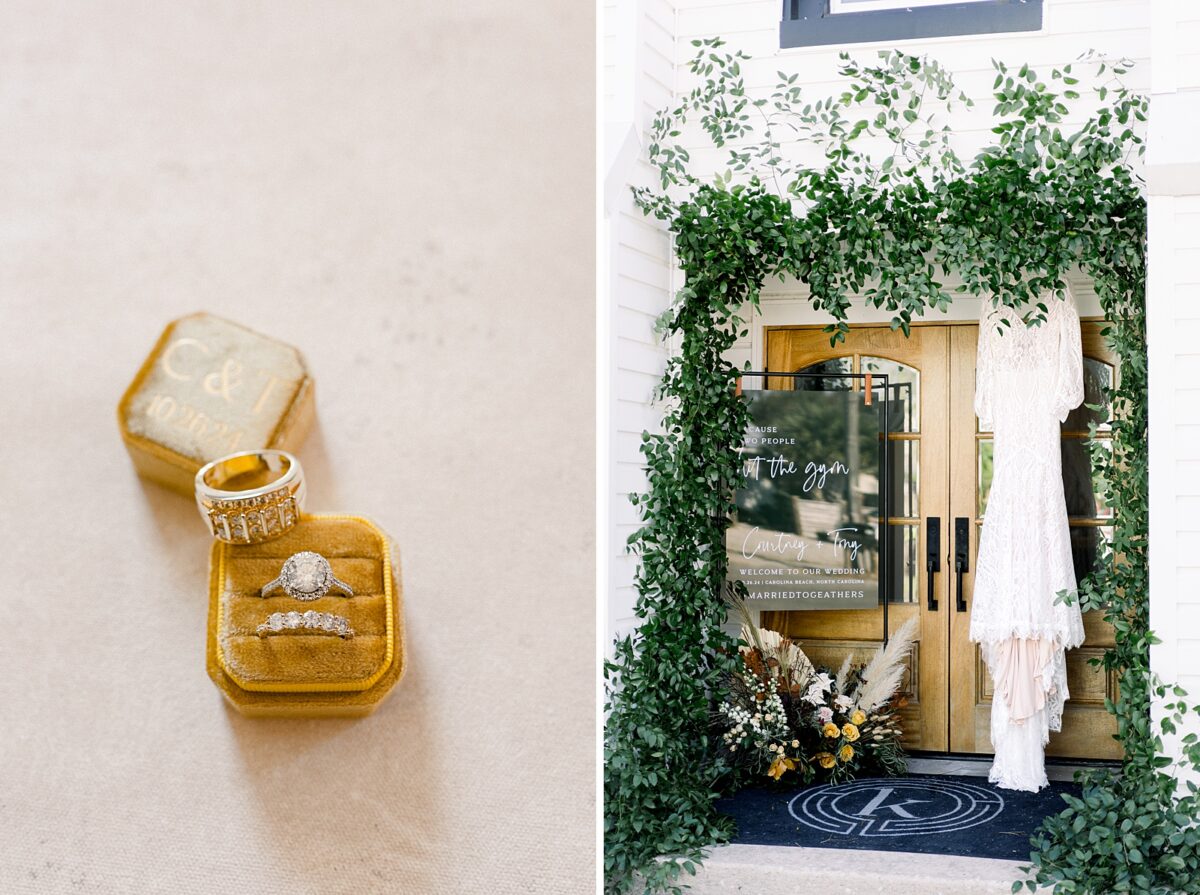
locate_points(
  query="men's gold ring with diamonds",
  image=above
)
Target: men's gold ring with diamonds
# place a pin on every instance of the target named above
(252, 496)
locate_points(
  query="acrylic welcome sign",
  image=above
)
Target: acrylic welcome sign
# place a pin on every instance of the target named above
(806, 533)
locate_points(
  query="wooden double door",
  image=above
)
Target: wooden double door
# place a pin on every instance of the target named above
(940, 469)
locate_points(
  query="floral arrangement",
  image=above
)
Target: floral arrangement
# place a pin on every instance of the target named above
(781, 714)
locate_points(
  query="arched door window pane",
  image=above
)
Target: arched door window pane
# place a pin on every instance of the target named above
(904, 383)
(833, 375)
(904, 424)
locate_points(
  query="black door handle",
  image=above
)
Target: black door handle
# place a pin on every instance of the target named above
(933, 556)
(962, 552)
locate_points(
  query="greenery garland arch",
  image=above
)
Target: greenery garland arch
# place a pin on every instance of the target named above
(880, 205)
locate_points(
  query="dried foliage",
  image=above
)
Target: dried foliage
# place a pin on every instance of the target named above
(780, 715)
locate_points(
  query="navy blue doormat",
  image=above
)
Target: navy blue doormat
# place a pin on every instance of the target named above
(930, 814)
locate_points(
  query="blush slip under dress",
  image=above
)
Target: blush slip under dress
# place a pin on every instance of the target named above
(1027, 380)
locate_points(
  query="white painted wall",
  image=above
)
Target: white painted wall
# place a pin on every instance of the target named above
(1173, 306)
(636, 270)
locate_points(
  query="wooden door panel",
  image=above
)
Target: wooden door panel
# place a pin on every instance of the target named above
(1089, 684)
(968, 701)
(948, 685)
(1087, 726)
(827, 635)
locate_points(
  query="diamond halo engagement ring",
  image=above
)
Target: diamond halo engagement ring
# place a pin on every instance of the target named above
(306, 623)
(306, 576)
(252, 496)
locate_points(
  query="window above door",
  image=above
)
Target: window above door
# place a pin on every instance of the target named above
(836, 7)
(810, 23)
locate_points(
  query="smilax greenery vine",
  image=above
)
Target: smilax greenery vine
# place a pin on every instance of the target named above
(863, 194)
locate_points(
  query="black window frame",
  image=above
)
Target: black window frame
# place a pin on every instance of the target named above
(809, 23)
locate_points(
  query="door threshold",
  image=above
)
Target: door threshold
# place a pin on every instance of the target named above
(965, 764)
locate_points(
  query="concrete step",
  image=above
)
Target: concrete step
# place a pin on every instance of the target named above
(787, 870)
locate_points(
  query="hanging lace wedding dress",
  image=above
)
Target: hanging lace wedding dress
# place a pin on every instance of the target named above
(1027, 380)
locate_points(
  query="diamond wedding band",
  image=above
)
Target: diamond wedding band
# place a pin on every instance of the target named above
(306, 623)
(251, 497)
(306, 576)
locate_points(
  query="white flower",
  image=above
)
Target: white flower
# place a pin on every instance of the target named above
(815, 695)
(825, 714)
(823, 681)
(843, 702)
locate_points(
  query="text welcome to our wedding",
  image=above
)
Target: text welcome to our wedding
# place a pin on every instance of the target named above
(806, 526)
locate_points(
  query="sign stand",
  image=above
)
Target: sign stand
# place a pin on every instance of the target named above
(801, 426)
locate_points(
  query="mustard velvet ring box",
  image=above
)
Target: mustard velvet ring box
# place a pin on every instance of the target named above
(306, 673)
(208, 388)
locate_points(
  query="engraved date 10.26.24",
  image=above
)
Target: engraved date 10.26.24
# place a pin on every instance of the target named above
(185, 417)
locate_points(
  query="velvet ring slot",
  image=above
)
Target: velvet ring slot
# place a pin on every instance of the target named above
(306, 675)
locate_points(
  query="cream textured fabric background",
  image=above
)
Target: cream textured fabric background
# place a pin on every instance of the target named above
(403, 190)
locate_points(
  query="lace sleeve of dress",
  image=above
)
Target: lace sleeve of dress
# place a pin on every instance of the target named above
(983, 370)
(1068, 385)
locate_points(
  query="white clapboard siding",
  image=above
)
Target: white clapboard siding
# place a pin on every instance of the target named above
(1174, 335)
(1184, 41)
(638, 273)
(1118, 28)
(1173, 323)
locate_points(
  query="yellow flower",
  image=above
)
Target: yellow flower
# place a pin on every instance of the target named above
(825, 759)
(850, 732)
(846, 753)
(858, 717)
(780, 766)
(831, 730)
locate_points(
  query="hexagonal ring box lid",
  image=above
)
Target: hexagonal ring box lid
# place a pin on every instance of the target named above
(208, 388)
